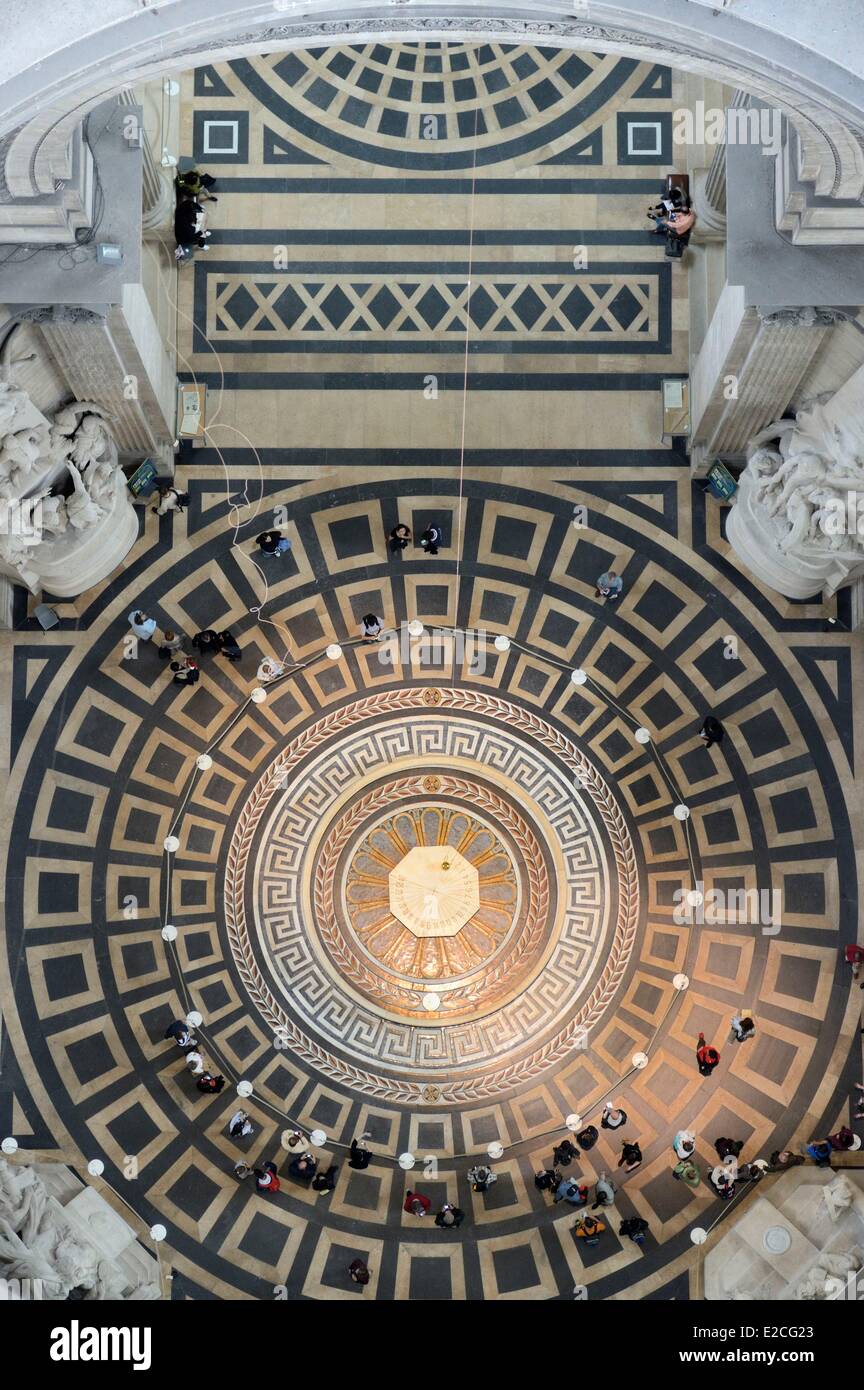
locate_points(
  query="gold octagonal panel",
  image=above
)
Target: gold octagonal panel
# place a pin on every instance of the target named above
(434, 891)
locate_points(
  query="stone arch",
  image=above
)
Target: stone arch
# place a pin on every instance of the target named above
(43, 98)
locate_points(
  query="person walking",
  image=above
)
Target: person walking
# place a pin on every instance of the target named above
(142, 626)
(326, 1182)
(589, 1228)
(360, 1155)
(358, 1270)
(684, 1143)
(609, 586)
(272, 543)
(206, 642)
(239, 1126)
(400, 537)
(613, 1117)
(211, 1085)
(635, 1227)
(416, 1203)
(712, 731)
(604, 1192)
(171, 500)
(449, 1216)
(228, 646)
(181, 1033)
(304, 1167)
(743, 1028)
(171, 642)
(572, 1191)
(481, 1177)
(266, 1178)
(564, 1153)
(687, 1172)
(547, 1180)
(431, 539)
(631, 1157)
(371, 628)
(707, 1056)
(185, 672)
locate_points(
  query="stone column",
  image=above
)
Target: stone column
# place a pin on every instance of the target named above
(116, 359)
(157, 193)
(748, 370)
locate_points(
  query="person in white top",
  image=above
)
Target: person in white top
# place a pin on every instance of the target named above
(195, 1063)
(240, 1125)
(684, 1143)
(141, 625)
(612, 1117)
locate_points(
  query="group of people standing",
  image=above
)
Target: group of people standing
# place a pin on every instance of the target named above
(185, 671)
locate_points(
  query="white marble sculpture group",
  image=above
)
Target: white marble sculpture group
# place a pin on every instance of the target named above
(39, 1243)
(51, 537)
(797, 521)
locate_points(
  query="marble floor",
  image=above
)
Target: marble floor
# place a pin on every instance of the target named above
(318, 422)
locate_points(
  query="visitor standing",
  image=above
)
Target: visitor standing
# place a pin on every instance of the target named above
(743, 1028)
(416, 1203)
(400, 537)
(613, 1117)
(707, 1056)
(431, 539)
(142, 626)
(712, 731)
(609, 586)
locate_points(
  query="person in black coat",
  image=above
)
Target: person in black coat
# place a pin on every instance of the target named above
(360, 1155)
(712, 731)
(326, 1182)
(564, 1153)
(631, 1157)
(634, 1227)
(400, 537)
(206, 641)
(431, 539)
(228, 646)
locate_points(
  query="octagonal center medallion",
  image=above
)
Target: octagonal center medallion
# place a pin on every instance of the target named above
(434, 891)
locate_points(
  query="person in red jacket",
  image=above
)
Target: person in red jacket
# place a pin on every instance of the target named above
(416, 1204)
(706, 1056)
(266, 1179)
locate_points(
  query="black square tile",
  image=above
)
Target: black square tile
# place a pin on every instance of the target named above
(647, 997)
(326, 1111)
(248, 744)
(715, 668)
(57, 893)
(281, 1081)
(264, 1239)
(133, 1129)
(659, 606)
(351, 537)
(483, 1129)
(803, 893)
(432, 599)
(769, 1057)
(139, 958)
(331, 680)
(372, 601)
(242, 1042)
(513, 537)
(501, 1194)
(285, 707)
(661, 710)
(90, 1058)
(142, 826)
(558, 629)
(201, 709)
(64, 976)
(798, 977)
(362, 1190)
(99, 732)
(764, 734)
(793, 811)
(666, 890)
(723, 960)
(577, 709)
(130, 886)
(613, 663)
(165, 763)
(662, 840)
(616, 746)
(430, 1135)
(644, 789)
(589, 561)
(199, 839)
(697, 766)
(664, 946)
(305, 628)
(198, 944)
(667, 1197)
(720, 827)
(193, 892)
(515, 1269)
(205, 606)
(496, 608)
(533, 681)
(69, 810)
(214, 997)
(193, 1192)
(429, 1279)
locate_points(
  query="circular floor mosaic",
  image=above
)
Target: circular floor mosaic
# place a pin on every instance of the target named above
(509, 954)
